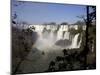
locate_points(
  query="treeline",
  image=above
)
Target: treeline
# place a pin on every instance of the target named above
(79, 22)
(71, 60)
(22, 41)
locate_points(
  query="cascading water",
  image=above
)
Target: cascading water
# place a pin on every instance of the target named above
(52, 39)
(66, 35)
(75, 41)
(49, 35)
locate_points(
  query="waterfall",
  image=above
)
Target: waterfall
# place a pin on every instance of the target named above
(48, 35)
(66, 35)
(74, 41)
(59, 35)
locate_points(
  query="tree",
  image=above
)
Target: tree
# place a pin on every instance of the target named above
(52, 23)
(90, 17)
(64, 23)
(21, 42)
(65, 52)
(79, 23)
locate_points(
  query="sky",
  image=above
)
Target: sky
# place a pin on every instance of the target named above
(40, 13)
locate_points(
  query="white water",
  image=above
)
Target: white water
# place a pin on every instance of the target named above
(46, 43)
(74, 41)
(47, 37)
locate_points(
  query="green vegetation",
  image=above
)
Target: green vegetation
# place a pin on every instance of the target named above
(79, 23)
(71, 60)
(64, 23)
(21, 46)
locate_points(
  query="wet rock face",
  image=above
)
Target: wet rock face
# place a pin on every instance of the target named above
(63, 43)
